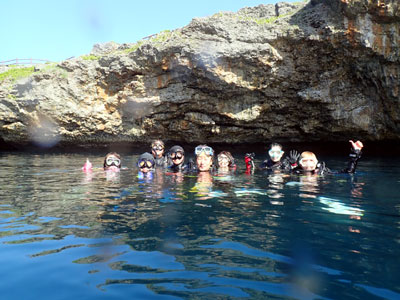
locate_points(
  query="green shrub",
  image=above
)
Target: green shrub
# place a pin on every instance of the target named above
(16, 73)
(90, 57)
(133, 48)
(161, 37)
(217, 15)
(262, 21)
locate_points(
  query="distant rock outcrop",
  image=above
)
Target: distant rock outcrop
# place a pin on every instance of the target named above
(324, 70)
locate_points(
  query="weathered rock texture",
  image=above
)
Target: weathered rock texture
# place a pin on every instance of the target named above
(325, 70)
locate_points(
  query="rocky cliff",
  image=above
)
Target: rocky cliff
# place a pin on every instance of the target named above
(323, 70)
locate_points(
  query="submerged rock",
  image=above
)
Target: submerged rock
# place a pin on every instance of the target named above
(312, 71)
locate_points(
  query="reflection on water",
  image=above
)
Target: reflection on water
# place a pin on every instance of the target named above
(276, 184)
(123, 235)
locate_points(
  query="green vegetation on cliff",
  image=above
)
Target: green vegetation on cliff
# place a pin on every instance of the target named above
(54, 68)
(156, 39)
(134, 47)
(161, 36)
(16, 73)
(90, 57)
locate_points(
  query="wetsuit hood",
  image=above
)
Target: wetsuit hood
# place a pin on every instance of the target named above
(146, 156)
(176, 148)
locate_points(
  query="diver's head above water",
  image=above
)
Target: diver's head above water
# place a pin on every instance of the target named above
(112, 162)
(308, 161)
(204, 158)
(146, 162)
(225, 160)
(275, 152)
(157, 148)
(177, 155)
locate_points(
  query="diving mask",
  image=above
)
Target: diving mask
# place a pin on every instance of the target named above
(176, 155)
(145, 164)
(275, 153)
(157, 148)
(222, 158)
(308, 161)
(112, 160)
(206, 149)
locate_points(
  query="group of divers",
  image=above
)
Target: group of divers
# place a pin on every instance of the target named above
(206, 160)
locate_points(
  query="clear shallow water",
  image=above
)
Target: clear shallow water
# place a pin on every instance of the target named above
(66, 234)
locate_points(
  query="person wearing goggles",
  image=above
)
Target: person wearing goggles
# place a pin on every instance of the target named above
(204, 158)
(308, 162)
(157, 149)
(204, 149)
(225, 161)
(146, 163)
(112, 162)
(176, 157)
(275, 161)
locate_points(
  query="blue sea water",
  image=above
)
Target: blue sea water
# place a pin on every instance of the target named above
(68, 234)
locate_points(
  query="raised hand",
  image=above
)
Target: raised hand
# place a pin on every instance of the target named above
(357, 146)
(87, 167)
(293, 157)
(250, 155)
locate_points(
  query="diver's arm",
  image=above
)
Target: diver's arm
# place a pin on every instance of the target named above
(290, 162)
(354, 156)
(248, 159)
(286, 165)
(263, 165)
(323, 169)
(191, 166)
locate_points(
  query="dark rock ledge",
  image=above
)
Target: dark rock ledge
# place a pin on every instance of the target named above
(323, 70)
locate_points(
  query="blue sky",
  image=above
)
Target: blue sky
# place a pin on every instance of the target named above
(58, 29)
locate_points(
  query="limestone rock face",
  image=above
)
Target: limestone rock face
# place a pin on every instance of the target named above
(312, 71)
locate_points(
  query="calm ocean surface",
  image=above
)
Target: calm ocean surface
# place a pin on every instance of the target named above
(66, 234)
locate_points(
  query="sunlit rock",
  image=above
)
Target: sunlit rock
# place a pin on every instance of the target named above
(323, 70)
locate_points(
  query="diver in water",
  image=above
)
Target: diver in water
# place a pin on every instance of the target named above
(157, 149)
(112, 162)
(249, 161)
(308, 162)
(275, 161)
(205, 169)
(226, 162)
(176, 157)
(146, 163)
(204, 159)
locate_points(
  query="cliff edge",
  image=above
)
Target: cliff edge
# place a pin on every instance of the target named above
(311, 71)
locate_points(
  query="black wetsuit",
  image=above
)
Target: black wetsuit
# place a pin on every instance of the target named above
(269, 165)
(321, 169)
(179, 168)
(161, 162)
